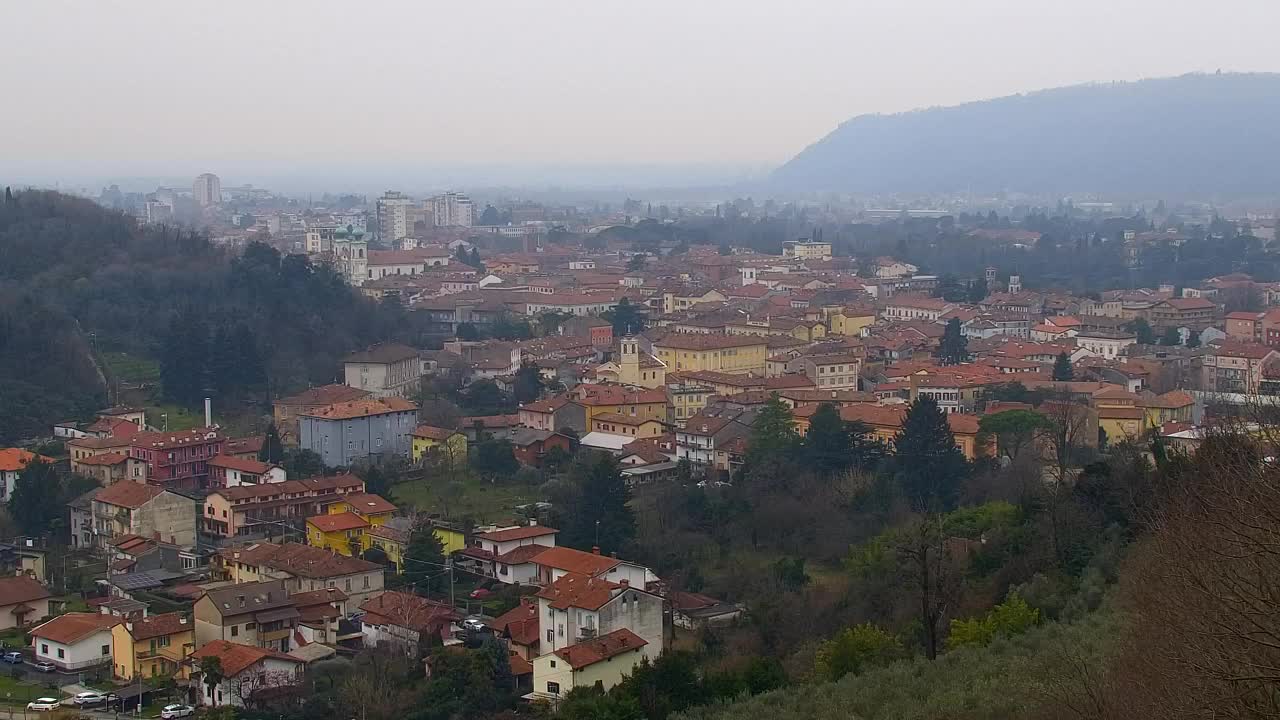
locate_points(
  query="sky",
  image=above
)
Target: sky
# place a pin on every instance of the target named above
(512, 91)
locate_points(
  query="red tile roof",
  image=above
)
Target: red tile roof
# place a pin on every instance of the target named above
(518, 533)
(325, 395)
(433, 433)
(109, 458)
(236, 658)
(590, 652)
(73, 627)
(159, 626)
(130, 495)
(409, 611)
(573, 590)
(575, 561)
(365, 407)
(254, 467)
(338, 522)
(21, 589)
(368, 503)
(14, 459)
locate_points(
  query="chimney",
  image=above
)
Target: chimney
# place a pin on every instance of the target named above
(128, 626)
(614, 554)
(595, 549)
(624, 582)
(182, 621)
(208, 412)
(533, 522)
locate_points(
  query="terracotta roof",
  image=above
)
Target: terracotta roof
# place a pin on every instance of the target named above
(254, 467)
(365, 407)
(298, 560)
(14, 459)
(325, 395)
(1170, 400)
(520, 555)
(490, 421)
(159, 625)
(382, 353)
(236, 658)
(1252, 351)
(21, 589)
(590, 652)
(573, 590)
(1190, 304)
(409, 611)
(108, 458)
(519, 666)
(367, 503)
(316, 597)
(701, 341)
(73, 627)
(597, 395)
(518, 533)
(520, 623)
(433, 433)
(291, 487)
(130, 495)
(338, 522)
(575, 561)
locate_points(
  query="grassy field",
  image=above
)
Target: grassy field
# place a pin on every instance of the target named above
(480, 501)
(131, 369)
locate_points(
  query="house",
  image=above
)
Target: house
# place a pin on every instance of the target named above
(1173, 406)
(694, 611)
(247, 671)
(248, 447)
(178, 458)
(286, 411)
(384, 370)
(226, 471)
(599, 332)
(1235, 367)
(302, 567)
(832, 372)
(1109, 345)
(709, 432)
(506, 554)
(152, 646)
(391, 537)
(634, 427)
(1194, 313)
(519, 627)
(345, 432)
(620, 400)
(109, 468)
(260, 614)
(554, 563)
(342, 533)
(74, 641)
(578, 607)
(405, 622)
(554, 414)
(530, 445)
(274, 509)
(734, 354)
(436, 442)
(22, 601)
(12, 462)
(602, 661)
(146, 510)
(480, 427)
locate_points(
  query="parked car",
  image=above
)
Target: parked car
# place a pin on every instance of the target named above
(45, 666)
(473, 624)
(93, 697)
(176, 711)
(12, 657)
(481, 593)
(44, 704)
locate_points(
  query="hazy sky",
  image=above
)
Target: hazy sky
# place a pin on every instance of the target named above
(147, 87)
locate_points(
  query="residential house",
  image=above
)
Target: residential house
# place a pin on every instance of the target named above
(1194, 313)
(391, 537)
(247, 671)
(151, 647)
(260, 614)
(599, 662)
(274, 509)
(914, 307)
(554, 414)
(109, 468)
(406, 623)
(832, 372)
(441, 443)
(635, 427)
(287, 410)
(22, 601)
(385, 370)
(1173, 406)
(554, 563)
(74, 641)
(530, 446)
(694, 611)
(519, 627)
(734, 354)
(1109, 345)
(178, 458)
(579, 607)
(506, 554)
(709, 432)
(342, 533)
(1235, 367)
(12, 462)
(226, 471)
(688, 399)
(619, 400)
(345, 432)
(146, 510)
(302, 567)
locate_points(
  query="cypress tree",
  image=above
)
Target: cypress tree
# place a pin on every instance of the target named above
(929, 468)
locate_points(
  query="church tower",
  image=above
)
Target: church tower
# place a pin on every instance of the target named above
(629, 361)
(1015, 284)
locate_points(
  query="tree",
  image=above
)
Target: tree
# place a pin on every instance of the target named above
(484, 397)
(1012, 429)
(1011, 617)
(637, 262)
(527, 385)
(36, 501)
(423, 561)
(467, 331)
(600, 516)
(1193, 339)
(211, 674)
(490, 216)
(494, 458)
(854, 649)
(954, 347)
(772, 443)
(1062, 370)
(300, 464)
(978, 290)
(1171, 337)
(626, 318)
(272, 450)
(1142, 329)
(929, 468)
(476, 262)
(826, 444)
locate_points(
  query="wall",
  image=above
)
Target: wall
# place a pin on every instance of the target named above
(83, 654)
(170, 514)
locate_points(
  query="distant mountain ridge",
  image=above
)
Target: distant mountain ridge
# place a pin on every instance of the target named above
(1202, 135)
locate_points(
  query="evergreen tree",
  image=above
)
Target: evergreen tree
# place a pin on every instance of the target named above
(1193, 340)
(423, 564)
(223, 366)
(494, 458)
(251, 372)
(475, 260)
(460, 254)
(490, 216)
(1141, 328)
(601, 516)
(978, 290)
(35, 502)
(827, 443)
(527, 385)
(272, 449)
(626, 319)
(928, 466)
(1062, 370)
(954, 347)
(1171, 337)
(773, 437)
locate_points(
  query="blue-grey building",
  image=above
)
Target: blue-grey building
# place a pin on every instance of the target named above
(348, 431)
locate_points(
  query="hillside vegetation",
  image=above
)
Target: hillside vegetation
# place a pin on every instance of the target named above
(1211, 135)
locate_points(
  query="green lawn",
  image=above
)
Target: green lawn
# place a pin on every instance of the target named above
(74, 603)
(131, 369)
(481, 501)
(179, 418)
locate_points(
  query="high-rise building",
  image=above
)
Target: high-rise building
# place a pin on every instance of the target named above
(393, 216)
(207, 190)
(452, 210)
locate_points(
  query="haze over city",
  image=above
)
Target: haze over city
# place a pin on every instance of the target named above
(327, 95)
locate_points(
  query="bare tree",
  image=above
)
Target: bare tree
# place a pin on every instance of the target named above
(1071, 430)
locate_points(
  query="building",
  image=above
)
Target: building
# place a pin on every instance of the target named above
(303, 569)
(431, 442)
(530, 446)
(832, 372)
(619, 400)
(1108, 345)
(506, 554)
(345, 432)
(178, 458)
(342, 533)
(384, 370)
(392, 263)
(554, 563)
(75, 641)
(151, 647)
(806, 250)
(226, 471)
(207, 190)
(602, 661)
(286, 411)
(393, 217)
(247, 673)
(406, 623)
(259, 614)
(452, 209)
(22, 601)
(148, 511)
(578, 607)
(1194, 313)
(12, 462)
(735, 354)
(1235, 367)
(554, 413)
(272, 510)
(109, 468)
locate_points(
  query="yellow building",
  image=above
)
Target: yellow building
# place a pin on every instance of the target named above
(850, 321)
(633, 367)
(1122, 423)
(636, 427)
(604, 660)
(429, 440)
(342, 533)
(685, 352)
(617, 399)
(373, 509)
(1173, 406)
(676, 300)
(452, 538)
(152, 647)
(393, 539)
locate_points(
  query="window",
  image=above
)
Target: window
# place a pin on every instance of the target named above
(235, 631)
(553, 688)
(348, 585)
(247, 626)
(559, 630)
(44, 649)
(106, 649)
(551, 637)
(366, 582)
(61, 653)
(553, 663)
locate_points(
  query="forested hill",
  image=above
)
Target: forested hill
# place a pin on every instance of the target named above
(78, 281)
(1209, 135)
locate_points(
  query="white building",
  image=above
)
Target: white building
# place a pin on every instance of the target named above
(393, 216)
(577, 608)
(452, 209)
(207, 190)
(1105, 345)
(75, 641)
(247, 671)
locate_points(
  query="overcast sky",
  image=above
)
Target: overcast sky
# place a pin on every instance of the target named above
(147, 87)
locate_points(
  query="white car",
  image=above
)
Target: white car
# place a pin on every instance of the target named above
(44, 704)
(176, 711)
(473, 624)
(89, 698)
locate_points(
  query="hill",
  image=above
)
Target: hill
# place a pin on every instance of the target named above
(1204, 135)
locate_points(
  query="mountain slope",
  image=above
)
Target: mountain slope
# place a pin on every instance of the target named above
(1194, 134)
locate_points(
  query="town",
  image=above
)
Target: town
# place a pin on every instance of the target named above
(531, 487)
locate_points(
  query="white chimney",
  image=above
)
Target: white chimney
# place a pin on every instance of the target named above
(208, 412)
(533, 523)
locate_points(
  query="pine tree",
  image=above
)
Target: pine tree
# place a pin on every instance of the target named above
(930, 469)
(272, 449)
(954, 347)
(773, 435)
(827, 443)
(1062, 370)
(34, 503)
(423, 564)
(475, 260)
(602, 517)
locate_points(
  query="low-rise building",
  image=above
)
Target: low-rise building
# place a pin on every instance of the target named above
(445, 444)
(386, 370)
(22, 601)
(259, 614)
(151, 647)
(406, 623)
(303, 569)
(12, 462)
(345, 432)
(75, 641)
(130, 508)
(248, 673)
(599, 662)
(287, 410)
(577, 607)
(272, 510)
(226, 471)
